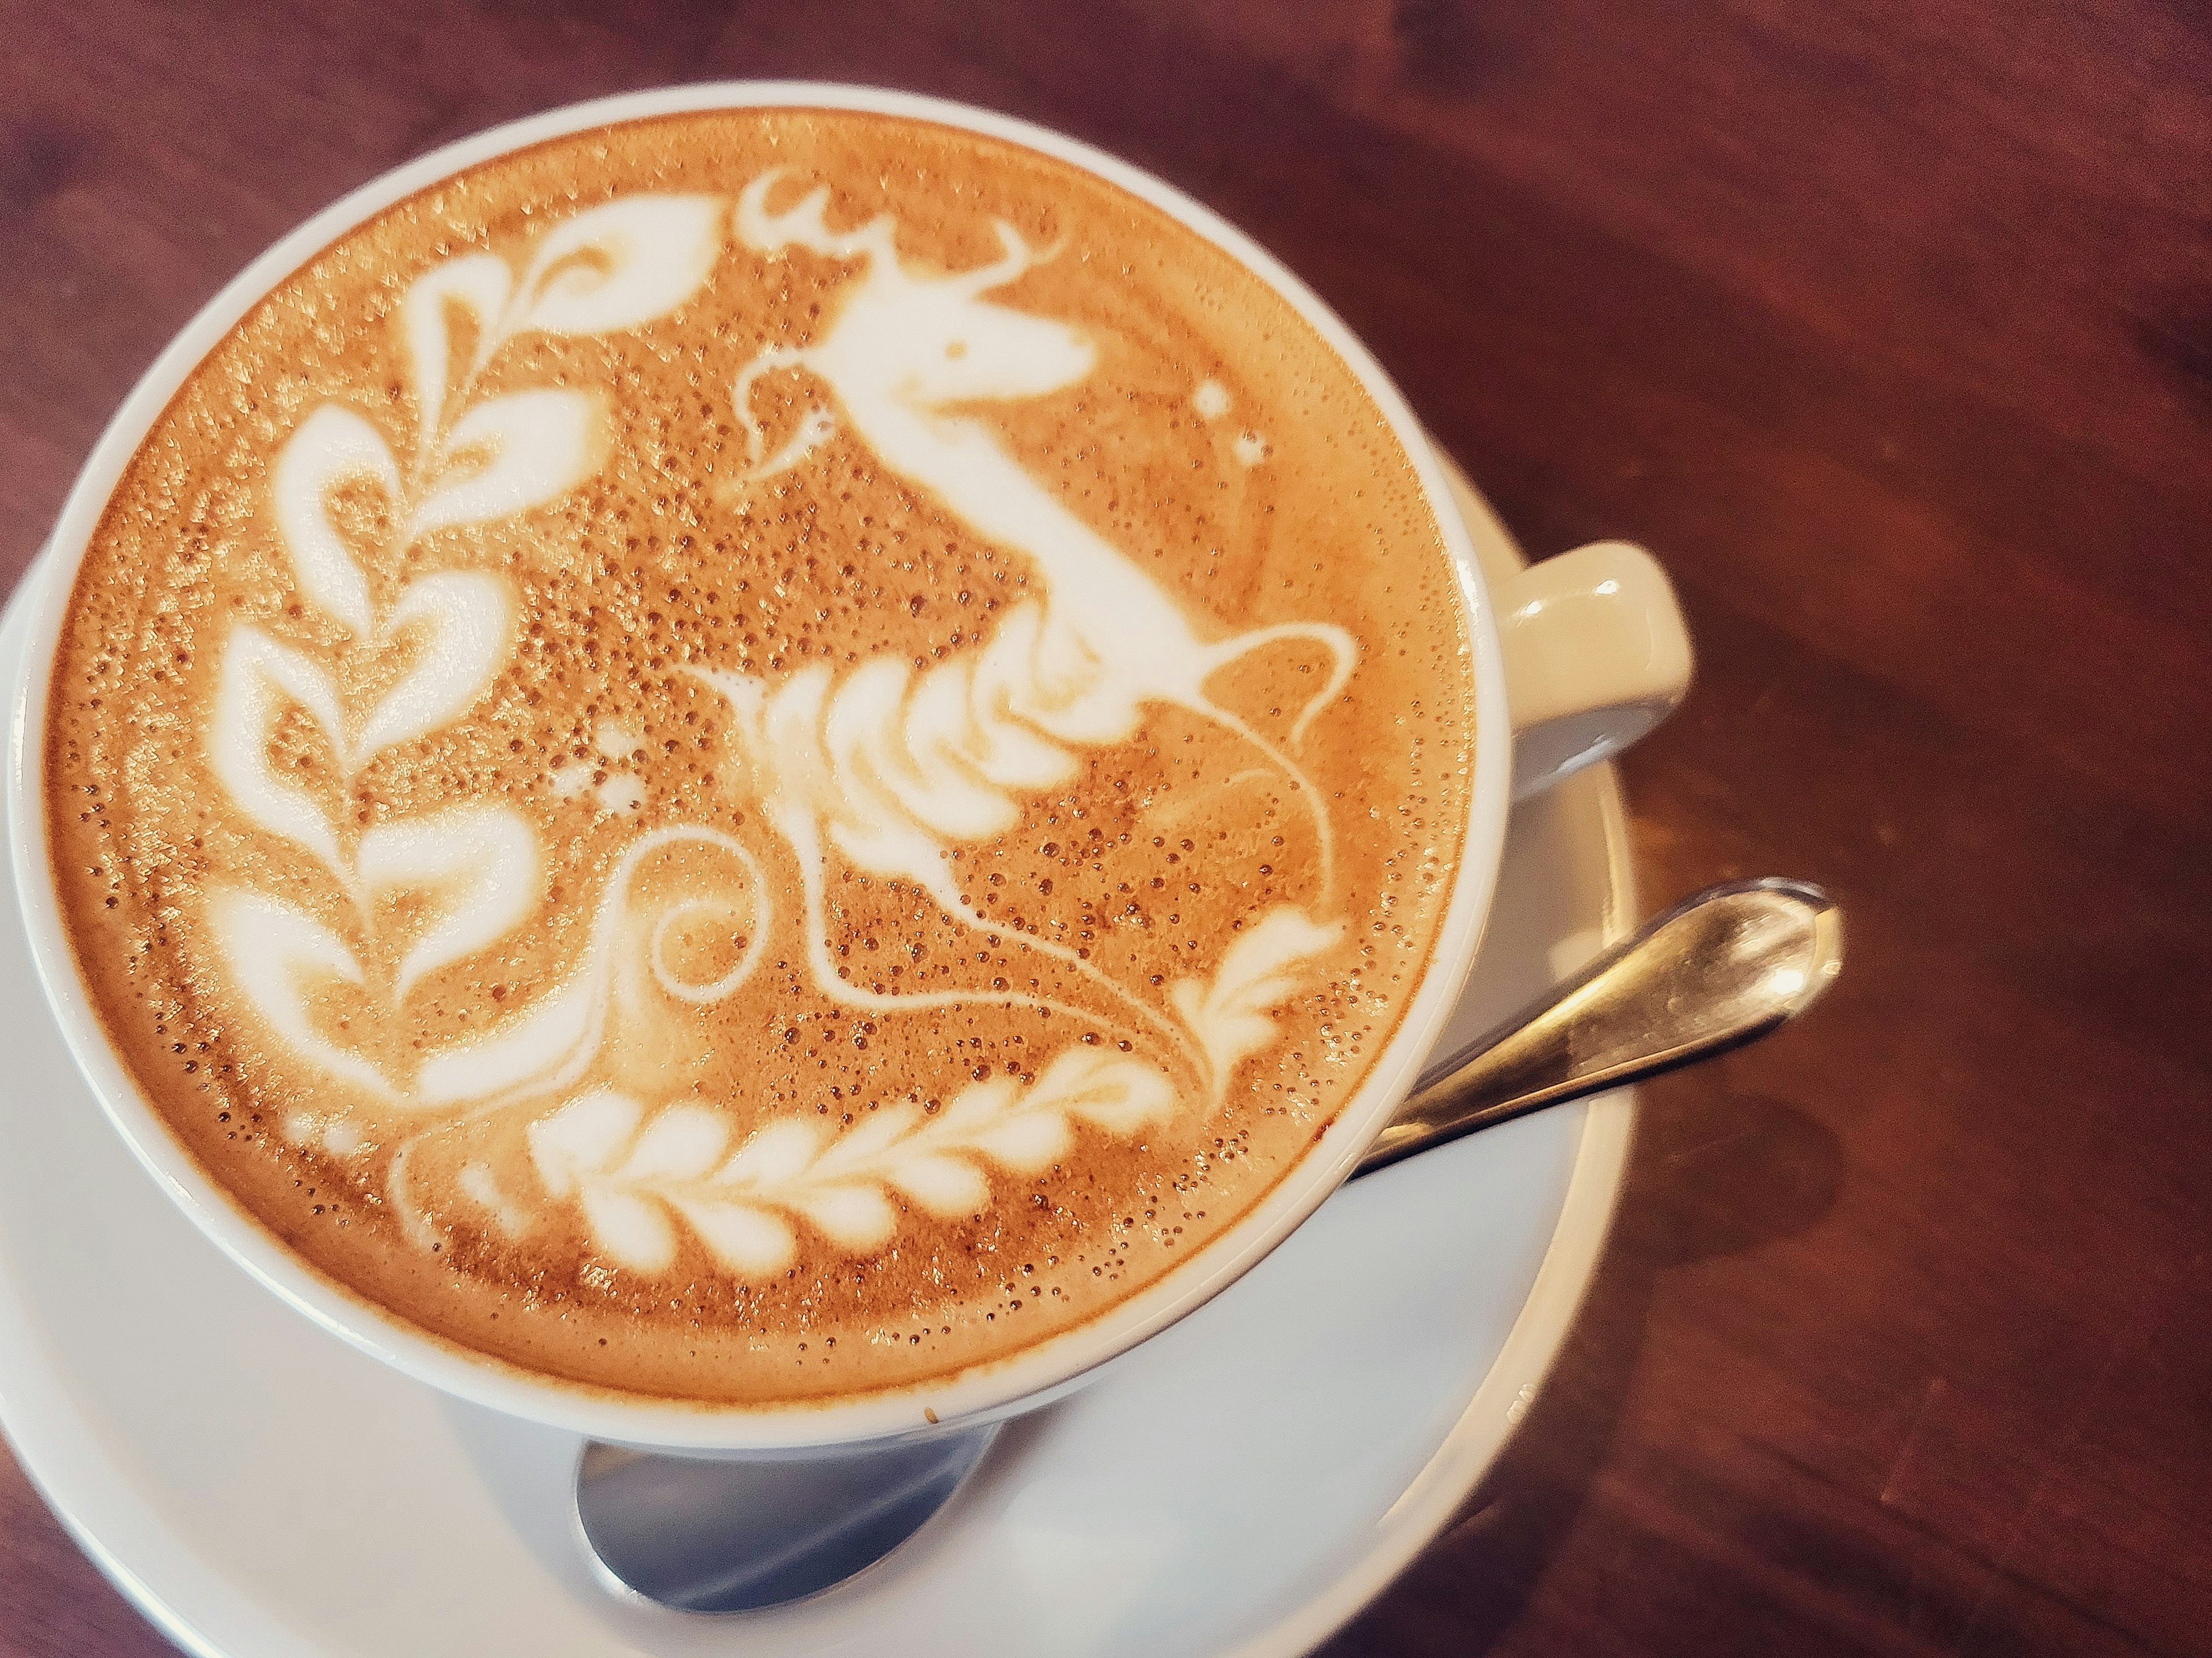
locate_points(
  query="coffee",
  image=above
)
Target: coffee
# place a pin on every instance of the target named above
(759, 755)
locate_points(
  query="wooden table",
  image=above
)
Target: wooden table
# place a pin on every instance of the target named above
(1889, 326)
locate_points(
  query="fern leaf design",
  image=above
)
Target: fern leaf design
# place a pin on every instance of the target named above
(619, 265)
(629, 1174)
(1231, 1016)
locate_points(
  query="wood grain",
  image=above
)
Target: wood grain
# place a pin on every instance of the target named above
(1889, 326)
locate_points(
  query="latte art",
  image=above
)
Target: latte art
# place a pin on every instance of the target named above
(759, 755)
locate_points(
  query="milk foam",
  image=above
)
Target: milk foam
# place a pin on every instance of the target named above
(616, 266)
(728, 986)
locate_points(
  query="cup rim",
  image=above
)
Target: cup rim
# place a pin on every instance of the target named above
(982, 1392)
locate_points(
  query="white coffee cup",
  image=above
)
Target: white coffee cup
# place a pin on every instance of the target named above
(1573, 659)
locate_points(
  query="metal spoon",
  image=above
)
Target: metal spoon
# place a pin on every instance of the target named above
(1718, 971)
(1713, 973)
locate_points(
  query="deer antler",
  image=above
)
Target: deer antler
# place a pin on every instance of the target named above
(1018, 257)
(814, 427)
(802, 224)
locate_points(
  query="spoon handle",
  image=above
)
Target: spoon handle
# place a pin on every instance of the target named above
(1714, 972)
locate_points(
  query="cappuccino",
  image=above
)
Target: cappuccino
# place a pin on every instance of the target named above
(761, 755)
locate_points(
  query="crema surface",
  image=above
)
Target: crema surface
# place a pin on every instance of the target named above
(760, 756)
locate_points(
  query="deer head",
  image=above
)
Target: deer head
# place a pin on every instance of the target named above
(904, 340)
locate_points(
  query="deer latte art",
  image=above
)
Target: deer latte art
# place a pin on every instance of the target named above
(759, 755)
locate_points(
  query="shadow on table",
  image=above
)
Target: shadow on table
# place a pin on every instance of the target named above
(1711, 1174)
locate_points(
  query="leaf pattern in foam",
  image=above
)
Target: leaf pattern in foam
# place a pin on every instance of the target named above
(540, 1046)
(611, 267)
(259, 679)
(478, 281)
(332, 446)
(623, 264)
(463, 624)
(627, 1172)
(1229, 1017)
(476, 865)
(508, 454)
(279, 956)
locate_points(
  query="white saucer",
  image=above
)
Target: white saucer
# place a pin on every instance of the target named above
(1242, 1484)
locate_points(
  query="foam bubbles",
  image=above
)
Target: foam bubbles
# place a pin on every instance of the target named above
(1139, 847)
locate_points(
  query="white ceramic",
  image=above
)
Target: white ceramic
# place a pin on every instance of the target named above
(1241, 1485)
(1561, 649)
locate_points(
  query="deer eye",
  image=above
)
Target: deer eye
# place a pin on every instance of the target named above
(956, 349)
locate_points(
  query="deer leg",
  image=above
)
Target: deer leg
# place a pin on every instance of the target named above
(1297, 779)
(941, 889)
(1343, 649)
(816, 425)
(805, 840)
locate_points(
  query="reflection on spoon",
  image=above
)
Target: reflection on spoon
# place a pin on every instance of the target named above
(1717, 971)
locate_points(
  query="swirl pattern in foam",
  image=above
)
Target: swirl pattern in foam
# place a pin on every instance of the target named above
(759, 755)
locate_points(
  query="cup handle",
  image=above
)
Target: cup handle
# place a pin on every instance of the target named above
(1596, 654)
